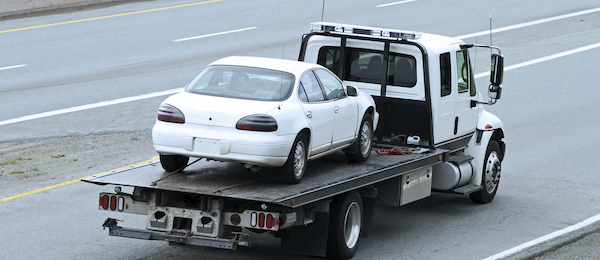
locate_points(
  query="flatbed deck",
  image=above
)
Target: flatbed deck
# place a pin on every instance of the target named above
(324, 177)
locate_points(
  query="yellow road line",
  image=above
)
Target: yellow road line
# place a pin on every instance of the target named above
(109, 16)
(72, 181)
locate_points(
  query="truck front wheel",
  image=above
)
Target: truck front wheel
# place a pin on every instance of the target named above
(345, 225)
(491, 175)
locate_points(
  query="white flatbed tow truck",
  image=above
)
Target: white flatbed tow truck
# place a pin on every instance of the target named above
(433, 135)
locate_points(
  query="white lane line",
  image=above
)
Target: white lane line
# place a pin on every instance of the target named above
(13, 67)
(214, 34)
(395, 3)
(90, 106)
(545, 238)
(521, 25)
(542, 59)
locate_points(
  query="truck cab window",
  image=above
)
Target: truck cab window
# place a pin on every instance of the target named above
(465, 78)
(445, 75)
(363, 65)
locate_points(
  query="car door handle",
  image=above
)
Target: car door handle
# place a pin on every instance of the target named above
(309, 114)
(336, 109)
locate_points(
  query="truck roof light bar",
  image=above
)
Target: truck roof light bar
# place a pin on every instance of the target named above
(324, 27)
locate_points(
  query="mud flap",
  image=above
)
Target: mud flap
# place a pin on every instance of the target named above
(307, 240)
(368, 212)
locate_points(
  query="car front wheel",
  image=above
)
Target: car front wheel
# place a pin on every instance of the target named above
(293, 169)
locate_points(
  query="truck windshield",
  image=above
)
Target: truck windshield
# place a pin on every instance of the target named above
(242, 83)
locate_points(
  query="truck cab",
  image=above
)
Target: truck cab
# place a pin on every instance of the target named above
(424, 88)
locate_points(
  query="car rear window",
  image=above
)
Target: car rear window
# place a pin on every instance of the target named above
(243, 83)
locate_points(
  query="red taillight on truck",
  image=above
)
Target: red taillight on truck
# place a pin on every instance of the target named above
(168, 113)
(113, 203)
(104, 201)
(262, 123)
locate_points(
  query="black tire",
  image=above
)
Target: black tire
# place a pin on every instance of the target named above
(490, 179)
(345, 226)
(172, 163)
(364, 141)
(293, 169)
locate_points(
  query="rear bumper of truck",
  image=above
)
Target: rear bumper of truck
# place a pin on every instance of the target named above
(241, 239)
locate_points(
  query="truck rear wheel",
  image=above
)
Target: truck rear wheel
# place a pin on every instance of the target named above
(345, 226)
(172, 163)
(293, 169)
(491, 175)
(364, 141)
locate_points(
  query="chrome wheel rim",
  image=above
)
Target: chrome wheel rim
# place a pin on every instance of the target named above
(365, 138)
(352, 222)
(299, 159)
(492, 172)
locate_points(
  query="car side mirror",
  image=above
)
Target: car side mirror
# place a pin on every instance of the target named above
(352, 92)
(497, 70)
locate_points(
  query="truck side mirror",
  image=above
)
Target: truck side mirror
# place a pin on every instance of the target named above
(351, 91)
(496, 75)
(495, 91)
(497, 70)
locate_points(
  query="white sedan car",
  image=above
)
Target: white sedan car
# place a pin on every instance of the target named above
(264, 112)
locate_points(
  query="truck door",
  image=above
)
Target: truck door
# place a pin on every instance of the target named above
(318, 113)
(444, 109)
(465, 120)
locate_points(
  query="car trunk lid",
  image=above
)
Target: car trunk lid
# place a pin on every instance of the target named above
(217, 111)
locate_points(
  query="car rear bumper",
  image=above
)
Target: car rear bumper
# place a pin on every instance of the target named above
(223, 144)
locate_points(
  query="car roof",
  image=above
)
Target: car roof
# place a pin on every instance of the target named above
(267, 63)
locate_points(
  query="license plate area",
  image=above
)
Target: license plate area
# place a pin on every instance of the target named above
(206, 145)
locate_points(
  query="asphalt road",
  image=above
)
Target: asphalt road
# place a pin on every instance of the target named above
(61, 61)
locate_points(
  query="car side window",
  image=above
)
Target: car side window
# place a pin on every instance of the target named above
(332, 86)
(309, 90)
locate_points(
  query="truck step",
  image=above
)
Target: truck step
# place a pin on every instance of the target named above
(458, 159)
(468, 189)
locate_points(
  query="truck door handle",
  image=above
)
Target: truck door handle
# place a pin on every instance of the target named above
(309, 114)
(336, 109)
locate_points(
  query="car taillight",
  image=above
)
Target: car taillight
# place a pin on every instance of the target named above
(168, 113)
(263, 123)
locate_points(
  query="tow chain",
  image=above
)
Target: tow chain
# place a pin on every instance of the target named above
(154, 183)
(401, 150)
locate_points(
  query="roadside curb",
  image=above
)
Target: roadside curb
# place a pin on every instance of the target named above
(17, 7)
(552, 241)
